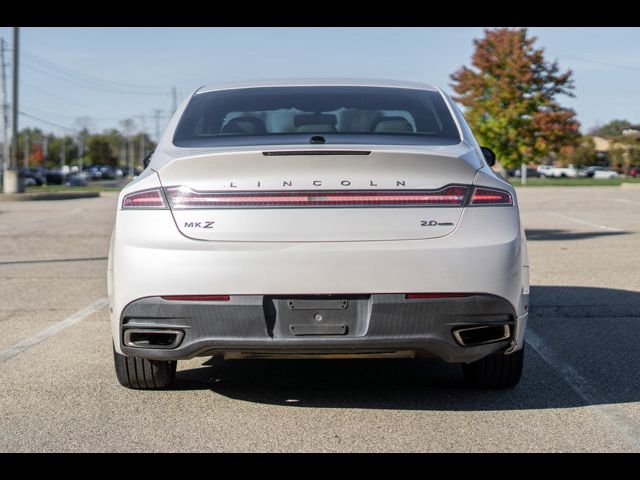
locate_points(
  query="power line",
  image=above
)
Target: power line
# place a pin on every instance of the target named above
(91, 78)
(71, 116)
(87, 84)
(48, 121)
(596, 62)
(66, 74)
(71, 102)
(46, 92)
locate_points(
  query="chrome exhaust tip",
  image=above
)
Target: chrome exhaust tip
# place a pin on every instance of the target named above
(482, 334)
(152, 338)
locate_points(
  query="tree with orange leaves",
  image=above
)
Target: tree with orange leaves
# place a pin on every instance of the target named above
(509, 94)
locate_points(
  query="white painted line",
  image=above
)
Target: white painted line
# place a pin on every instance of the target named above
(52, 330)
(614, 415)
(584, 222)
(624, 200)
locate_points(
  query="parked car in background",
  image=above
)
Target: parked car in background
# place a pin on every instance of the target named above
(57, 176)
(32, 177)
(93, 172)
(605, 174)
(531, 172)
(543, 170)
(76, 180)
(589, 171)
(635, 172)
(136, 171)
(557, 172)
(110, 173)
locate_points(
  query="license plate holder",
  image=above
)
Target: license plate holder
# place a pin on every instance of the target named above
(317, 304)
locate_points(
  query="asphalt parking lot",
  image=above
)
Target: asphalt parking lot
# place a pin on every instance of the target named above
(580, 390)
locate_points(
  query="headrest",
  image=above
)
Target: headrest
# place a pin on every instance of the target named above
(391, 124)
(246, 125)
(315, 119)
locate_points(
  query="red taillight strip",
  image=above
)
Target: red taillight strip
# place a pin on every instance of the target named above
(414, 296)
(489, 196)
(197, 298)
(181, 198)
(152, 198)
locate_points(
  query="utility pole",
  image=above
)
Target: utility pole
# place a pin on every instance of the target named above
(130, 156)
(143, 139)
(45, 150)
(157, 113)
(10, 178)
(143, 142)
(80, 151)
(14, 125)
(84, 126)
(174, 104)
(63, 152)
(123, 152)
(128, 127)
(5, 111)
(25, 161)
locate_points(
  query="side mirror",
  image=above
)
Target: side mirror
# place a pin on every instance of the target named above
(146, 159)
(489, 156)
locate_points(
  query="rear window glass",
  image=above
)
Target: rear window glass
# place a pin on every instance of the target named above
(253, 116)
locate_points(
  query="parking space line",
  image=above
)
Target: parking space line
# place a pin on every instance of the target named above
(52, 330)
(584, 222)
(624, 200)
(614, 415)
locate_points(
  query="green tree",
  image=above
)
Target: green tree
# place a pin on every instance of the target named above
(55, 150)
(624, 154)
(510, 98)
(611, 129)
(100, 151)
(116, 142)
(583, 154)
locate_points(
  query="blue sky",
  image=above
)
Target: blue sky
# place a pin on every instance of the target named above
(117, 62)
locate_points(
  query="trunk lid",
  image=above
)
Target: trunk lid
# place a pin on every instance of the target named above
(318, 195)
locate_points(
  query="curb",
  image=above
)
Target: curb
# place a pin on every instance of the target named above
(23, 197)
(630, 186)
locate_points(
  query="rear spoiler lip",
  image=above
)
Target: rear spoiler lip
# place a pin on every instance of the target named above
(169, 154)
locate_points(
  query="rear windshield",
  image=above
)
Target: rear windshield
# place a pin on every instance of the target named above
(277, 115)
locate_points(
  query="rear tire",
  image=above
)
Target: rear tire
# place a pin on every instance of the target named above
(495, 371)
(143, 374)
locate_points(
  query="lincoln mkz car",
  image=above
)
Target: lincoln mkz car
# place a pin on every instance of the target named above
(318, 219)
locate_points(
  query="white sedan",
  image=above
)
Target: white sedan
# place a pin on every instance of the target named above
(318, 219)
(605, 174)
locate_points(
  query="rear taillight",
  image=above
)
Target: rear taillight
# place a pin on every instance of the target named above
(489, 197)
(152, 198)
(183, 197)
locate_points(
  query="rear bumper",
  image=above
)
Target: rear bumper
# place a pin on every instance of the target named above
(377, 323)
(150, 258)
